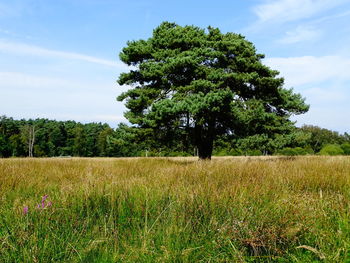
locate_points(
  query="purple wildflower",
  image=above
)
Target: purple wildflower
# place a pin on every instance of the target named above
(44, 198)
(25, 210)
(43, 201)
(43, 205)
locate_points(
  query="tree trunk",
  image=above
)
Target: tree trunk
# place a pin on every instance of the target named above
(204, 140)
(205, 149)
(31, 140)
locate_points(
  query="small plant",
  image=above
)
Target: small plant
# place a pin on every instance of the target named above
(42, 205)
(25, 210)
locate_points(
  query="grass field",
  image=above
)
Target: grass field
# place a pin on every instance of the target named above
(269, 209)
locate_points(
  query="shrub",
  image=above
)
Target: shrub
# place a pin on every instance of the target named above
(294, 151)
(235, 152)
(230, 152)
(331, 149)
(221, 152)
(346, 148)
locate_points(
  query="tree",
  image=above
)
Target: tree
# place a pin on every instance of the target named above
(102, 141)
(28, 136)
(320, 137)
(3, 146)
(79, 146)
(205, 83)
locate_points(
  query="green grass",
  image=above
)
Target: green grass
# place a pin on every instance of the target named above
(272, 209)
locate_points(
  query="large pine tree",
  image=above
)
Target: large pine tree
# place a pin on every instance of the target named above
(205, 83)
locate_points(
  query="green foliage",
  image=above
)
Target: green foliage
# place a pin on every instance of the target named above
(346, 148)
(254, 152)
(3, 146)
(319, 137)
(331, 149)
(54, 138)
(221, 152)
(295, 151)
(199, 84)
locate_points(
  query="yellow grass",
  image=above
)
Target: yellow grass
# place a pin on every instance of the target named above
(177, 209)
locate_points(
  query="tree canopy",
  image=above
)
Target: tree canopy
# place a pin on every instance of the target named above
(204, 83)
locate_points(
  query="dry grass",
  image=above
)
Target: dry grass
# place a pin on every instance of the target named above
(175, 209)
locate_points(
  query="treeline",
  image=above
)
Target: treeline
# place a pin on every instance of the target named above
(306, 140)
(48, 138)
(42, 137)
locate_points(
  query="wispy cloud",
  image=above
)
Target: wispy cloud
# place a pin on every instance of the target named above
(291, 10)
(326, 117)
(13, 34)
(325, 95)
(25, 49)
(25, 95)
(41, 83)
(331, 17)
(323, 81)
(300, 34)
(19, 80)
(310, 69)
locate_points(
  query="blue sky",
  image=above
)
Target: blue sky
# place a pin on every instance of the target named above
(59, 58)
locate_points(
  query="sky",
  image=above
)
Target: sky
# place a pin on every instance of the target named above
(59, 58)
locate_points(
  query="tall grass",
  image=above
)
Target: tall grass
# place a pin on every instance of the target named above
(175, 210)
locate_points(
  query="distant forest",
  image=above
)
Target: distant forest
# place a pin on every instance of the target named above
(50, 138)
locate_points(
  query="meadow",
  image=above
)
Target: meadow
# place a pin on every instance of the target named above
(239, 209)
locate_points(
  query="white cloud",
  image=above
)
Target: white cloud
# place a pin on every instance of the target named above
(324, 81)
(28, 81)
(331, 17)
(290, 10)
(300, 34)
(25, 49)
(19, 81)
(325, 117)
(310, 69)
(325, 95)
(26, 95)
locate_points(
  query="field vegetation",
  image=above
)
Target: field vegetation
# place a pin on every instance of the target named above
(236, 209)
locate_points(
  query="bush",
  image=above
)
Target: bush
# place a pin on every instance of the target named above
(346, 148)
(294, 151)
(331, 149)
(232, 152)
(220, 152)
(235, 152)
(309, 149)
